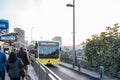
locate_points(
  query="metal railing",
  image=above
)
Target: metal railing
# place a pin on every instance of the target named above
(43, 72)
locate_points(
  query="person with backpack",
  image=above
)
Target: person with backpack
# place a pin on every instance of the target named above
(24, 57)
(14, 66)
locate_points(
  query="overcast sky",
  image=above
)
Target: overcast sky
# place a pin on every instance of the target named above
(52, 18)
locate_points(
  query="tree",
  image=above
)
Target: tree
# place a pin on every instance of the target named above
(104, 50)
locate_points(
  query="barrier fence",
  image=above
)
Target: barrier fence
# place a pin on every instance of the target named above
(43, 72)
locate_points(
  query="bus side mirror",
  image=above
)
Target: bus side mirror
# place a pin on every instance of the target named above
(36, 55)
(60, 48)
(36, 45)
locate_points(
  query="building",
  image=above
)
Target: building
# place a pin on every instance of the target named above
(21, 34)
(58, 38)
(21, 37)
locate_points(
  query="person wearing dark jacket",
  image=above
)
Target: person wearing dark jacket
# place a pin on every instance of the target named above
(2, 65)
(24, 57)
(14, 65)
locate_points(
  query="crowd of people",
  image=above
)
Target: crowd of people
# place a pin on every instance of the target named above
(16, 65)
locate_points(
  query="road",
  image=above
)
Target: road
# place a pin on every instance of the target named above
(68, 74)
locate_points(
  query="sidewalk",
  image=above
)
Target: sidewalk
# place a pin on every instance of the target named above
(87, 72)
(31, 73)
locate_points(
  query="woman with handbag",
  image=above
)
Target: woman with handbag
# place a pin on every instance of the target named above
(14, 66)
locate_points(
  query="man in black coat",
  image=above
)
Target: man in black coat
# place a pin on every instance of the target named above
(24, 57)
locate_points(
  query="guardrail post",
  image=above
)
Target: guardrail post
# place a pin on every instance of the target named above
(101, 72)
(79, 65)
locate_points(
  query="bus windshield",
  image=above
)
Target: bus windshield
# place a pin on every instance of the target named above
(49, 51)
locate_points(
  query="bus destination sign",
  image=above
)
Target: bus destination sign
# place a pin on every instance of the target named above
(48, 43)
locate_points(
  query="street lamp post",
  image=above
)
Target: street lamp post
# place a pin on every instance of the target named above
(74, 54)
(31, 33)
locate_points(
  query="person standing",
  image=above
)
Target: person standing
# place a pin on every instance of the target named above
(24, 57)
(2, 65)
(25, 49)
(14, 65)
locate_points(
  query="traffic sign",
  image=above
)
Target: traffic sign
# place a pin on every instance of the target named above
(4, 24)
(5, 38)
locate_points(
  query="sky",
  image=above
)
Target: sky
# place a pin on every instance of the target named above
(49, 18)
